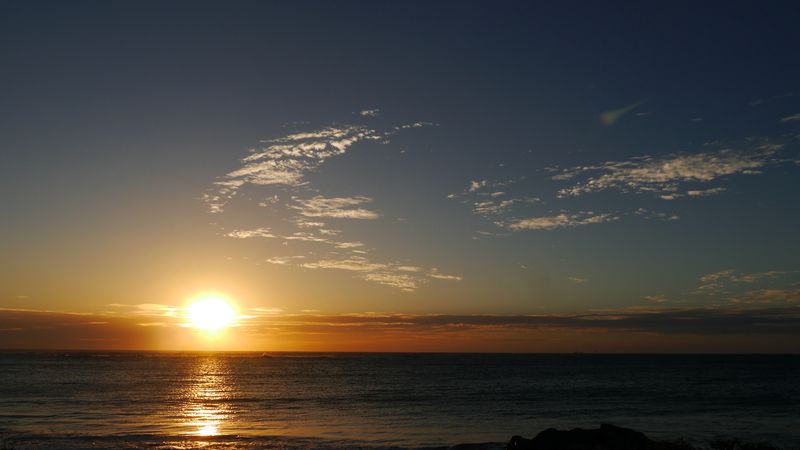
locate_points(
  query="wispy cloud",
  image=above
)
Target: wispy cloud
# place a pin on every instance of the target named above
(774, 287)
(495, 207)
(562, 220)
(266, 311)
(512, 213)
(147, 309)
(762, 101)
(355, 263)
(434, 273)
(284, 164)
(705, 192)
(269, 201)
(664, 175)
(286, 160)
(370, 112)
(668, 177)
(693, 193)
(649, 214)
(403, 277)
(257, 232)
(475, 185)
(335, 207)
(725, 278)
(792, 118)
(400, 281)
(304, 223)
(321, 236)
(733, 288)
(283, 260)
(768, 296)
(484, 188)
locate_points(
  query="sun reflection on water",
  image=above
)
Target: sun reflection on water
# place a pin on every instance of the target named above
(204, 408)
(208, 430)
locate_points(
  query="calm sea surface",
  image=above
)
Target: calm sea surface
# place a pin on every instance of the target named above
(288, 401)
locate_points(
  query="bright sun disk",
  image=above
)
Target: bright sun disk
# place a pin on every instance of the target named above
(211, 313)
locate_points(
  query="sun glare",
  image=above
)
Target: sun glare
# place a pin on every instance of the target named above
(211, 313)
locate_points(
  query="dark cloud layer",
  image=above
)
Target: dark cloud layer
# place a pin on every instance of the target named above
(33, 329)
(663, 321)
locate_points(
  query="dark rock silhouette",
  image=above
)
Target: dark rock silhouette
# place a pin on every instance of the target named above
(607, 437)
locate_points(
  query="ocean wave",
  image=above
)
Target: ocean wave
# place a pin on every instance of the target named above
(233, 442)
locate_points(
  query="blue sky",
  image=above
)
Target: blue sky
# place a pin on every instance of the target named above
(418, 157)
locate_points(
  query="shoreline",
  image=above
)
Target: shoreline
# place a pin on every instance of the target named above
(284, 353)
(22, 441)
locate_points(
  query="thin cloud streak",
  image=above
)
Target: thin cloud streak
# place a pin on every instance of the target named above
(654, 320)
(403, 277)
(664, 175)
(370, 112)
(562, 220)
(725, 278)
(335, 207)
(792, 118)
(769, 297)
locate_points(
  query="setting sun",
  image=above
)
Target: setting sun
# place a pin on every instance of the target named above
(211, 313)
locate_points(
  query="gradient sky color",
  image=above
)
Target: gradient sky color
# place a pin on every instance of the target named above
(408, 176)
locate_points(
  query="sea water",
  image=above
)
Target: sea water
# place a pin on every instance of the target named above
(345, 400)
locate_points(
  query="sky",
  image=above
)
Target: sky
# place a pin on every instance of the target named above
(401, 176)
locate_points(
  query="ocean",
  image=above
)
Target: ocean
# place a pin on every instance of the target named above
(401, 401)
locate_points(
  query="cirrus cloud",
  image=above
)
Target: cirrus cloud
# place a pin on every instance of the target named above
(335, 207)
(664, 175)
(562, 220)
(284, 164)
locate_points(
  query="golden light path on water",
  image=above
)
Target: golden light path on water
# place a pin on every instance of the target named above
(204, 409)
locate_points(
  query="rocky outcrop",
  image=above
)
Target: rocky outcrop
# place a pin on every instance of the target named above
(607, 437)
